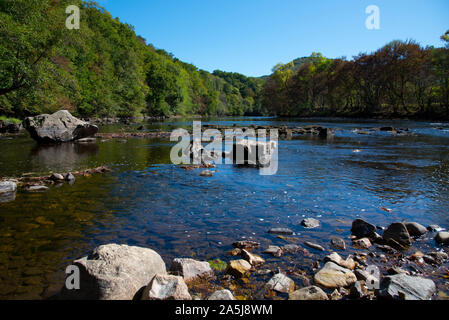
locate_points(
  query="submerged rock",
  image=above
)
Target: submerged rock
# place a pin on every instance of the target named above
(60, 126)
(308, 293)
(361, 228)
(274, 251)
(282, 231)
(314, 246)
(115, 272)
(190, 269)
(206, 173)
(338, 243)
(404, 287)
(310, 223)
(166, 287)
(246, 244)
(221, 295)
(37, 188)
(281, 283)
(334, 276)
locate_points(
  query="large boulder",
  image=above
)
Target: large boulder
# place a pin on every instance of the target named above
(115, 272)
(60, 126)
(405, 287)
(361, 228)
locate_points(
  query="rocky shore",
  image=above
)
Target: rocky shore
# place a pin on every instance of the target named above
(380, 268)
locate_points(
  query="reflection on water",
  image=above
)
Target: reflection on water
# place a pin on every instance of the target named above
(149, 202)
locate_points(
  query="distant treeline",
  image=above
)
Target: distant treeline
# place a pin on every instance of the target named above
(402, 79)
(103, 69)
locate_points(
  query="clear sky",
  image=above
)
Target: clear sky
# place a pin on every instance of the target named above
(251, 36)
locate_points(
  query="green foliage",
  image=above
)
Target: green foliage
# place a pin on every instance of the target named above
(103, 69)
(218, 265)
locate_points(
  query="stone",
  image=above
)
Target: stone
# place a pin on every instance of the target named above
(238, 268)
(334, 257)
(356, 291)
(336, 295)
(252, 258)
(246, 244)
(190, 269)
(294, 248)
(310, 223)
(415, 229)
(115, 272)
(442, 237)
(7, 187)
(57, 177)
(434, 228)
(399, 233)
(166, 287)
(281, 283)
(274, 251)
(283, 231)
(37, 188)
(69, 177)
(252, 153)
(221, 295)
(362, 274)
(60, 126)
(361, 228)
(402, 286)
(206, 173)
(338, 243)
(397, 270)
(308, 293)
(314, 246)
(438, 256)
(334, 276)
(363, 243)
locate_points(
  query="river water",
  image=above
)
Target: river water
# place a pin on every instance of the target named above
(147, 201)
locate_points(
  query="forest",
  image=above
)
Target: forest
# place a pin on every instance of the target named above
(106, 69)
(103, 69)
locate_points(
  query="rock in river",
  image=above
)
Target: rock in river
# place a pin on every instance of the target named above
(442, 237)
(274, 251)
(60, 126)
(334, 276)
(310, 223)
(314, 246)
(334, 257)
(166, 287)
(308, 293)
(402, 286)
(238, 268)
(115, 272)
(252, 258)
(281, 283)
(283, 231)
(338, 243)
(361, 228)
(399, 233)
(221, 295)
(7, 187)
(190, 269)
(415, 229)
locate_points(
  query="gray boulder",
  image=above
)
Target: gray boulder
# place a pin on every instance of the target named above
(442, 237)
(115, 272)
(166, 287)
(60, 126)
(281, 283)
(7, 187)
(405, 287)
(190, 269)
(310, 223)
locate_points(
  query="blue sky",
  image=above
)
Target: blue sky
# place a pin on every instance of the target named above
(251, 36)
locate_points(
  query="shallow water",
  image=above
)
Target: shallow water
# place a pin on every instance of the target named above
(147, 201)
